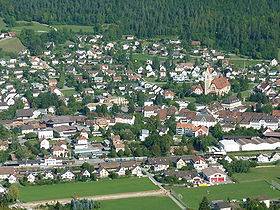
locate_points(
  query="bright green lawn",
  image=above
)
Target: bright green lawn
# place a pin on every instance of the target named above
(102, 187)
(191, 99)
(143, 203)
(145, 57)
(68, 92)
(246, 63)
(97, 138)
(11, 45)
(75, 28)
(193, 196)
(258, 174)
(37, 27)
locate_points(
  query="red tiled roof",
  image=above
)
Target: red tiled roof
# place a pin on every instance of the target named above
(220, 82)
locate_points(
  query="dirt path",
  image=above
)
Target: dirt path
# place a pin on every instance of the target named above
(30, 205)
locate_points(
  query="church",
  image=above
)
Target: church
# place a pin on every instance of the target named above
(219, 85)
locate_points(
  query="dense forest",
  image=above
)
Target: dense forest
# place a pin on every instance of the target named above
(249, 27)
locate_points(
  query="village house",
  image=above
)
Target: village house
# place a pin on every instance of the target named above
(67, 175)
(102, 172)
(85, 173)
(48, 175)
(126, 119)
(198, 163)
(190, 130)
(24, 114)
(118, 145)
(59, 151)
(137, 171)
(31, 178)
(45, 144)
(149, 111)
(190, 176)
(214, 175)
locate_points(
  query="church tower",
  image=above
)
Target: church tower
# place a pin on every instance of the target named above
(207, 80)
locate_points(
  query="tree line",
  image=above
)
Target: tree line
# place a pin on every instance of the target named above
(242, 26)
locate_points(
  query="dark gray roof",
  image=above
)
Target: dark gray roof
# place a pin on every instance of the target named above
(210, 171)
(188, 175)
(231, 99)
(25, 112)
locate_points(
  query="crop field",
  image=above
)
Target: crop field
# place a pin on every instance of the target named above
(147, 203)
(102, 187)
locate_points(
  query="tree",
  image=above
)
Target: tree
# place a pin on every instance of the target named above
(113, 175)
(13, 193)
(131, 107)
(256, 205)
(204, 204)
(201, 143)
(127, 172)
(191, 107)
(127, 151)
(87, 166)
(113, 153)
(30, 135)
(4, 133)
(120, 153)
(217, 131)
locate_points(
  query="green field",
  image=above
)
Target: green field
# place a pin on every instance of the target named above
(75, 28)
(193, 196)
(11, 45)
(190, 99)
(103, 187)
(259, 174)
(147, 203)
(246, 63)
(37, 27)
(68, 92)
(97, 139)
(145, 57)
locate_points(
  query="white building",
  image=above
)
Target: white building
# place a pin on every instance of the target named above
(45, 134)
(67, 175)
(45, 144)
(229, 145)
(257, 143)
(31, 178)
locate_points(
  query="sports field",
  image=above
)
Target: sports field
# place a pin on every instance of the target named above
(259, 174)
(147, 203)
(11, 45)
(193, 196)
(102, 187)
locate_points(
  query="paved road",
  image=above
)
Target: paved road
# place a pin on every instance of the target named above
(31, 205)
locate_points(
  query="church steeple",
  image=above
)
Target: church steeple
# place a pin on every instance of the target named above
(207, 80)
